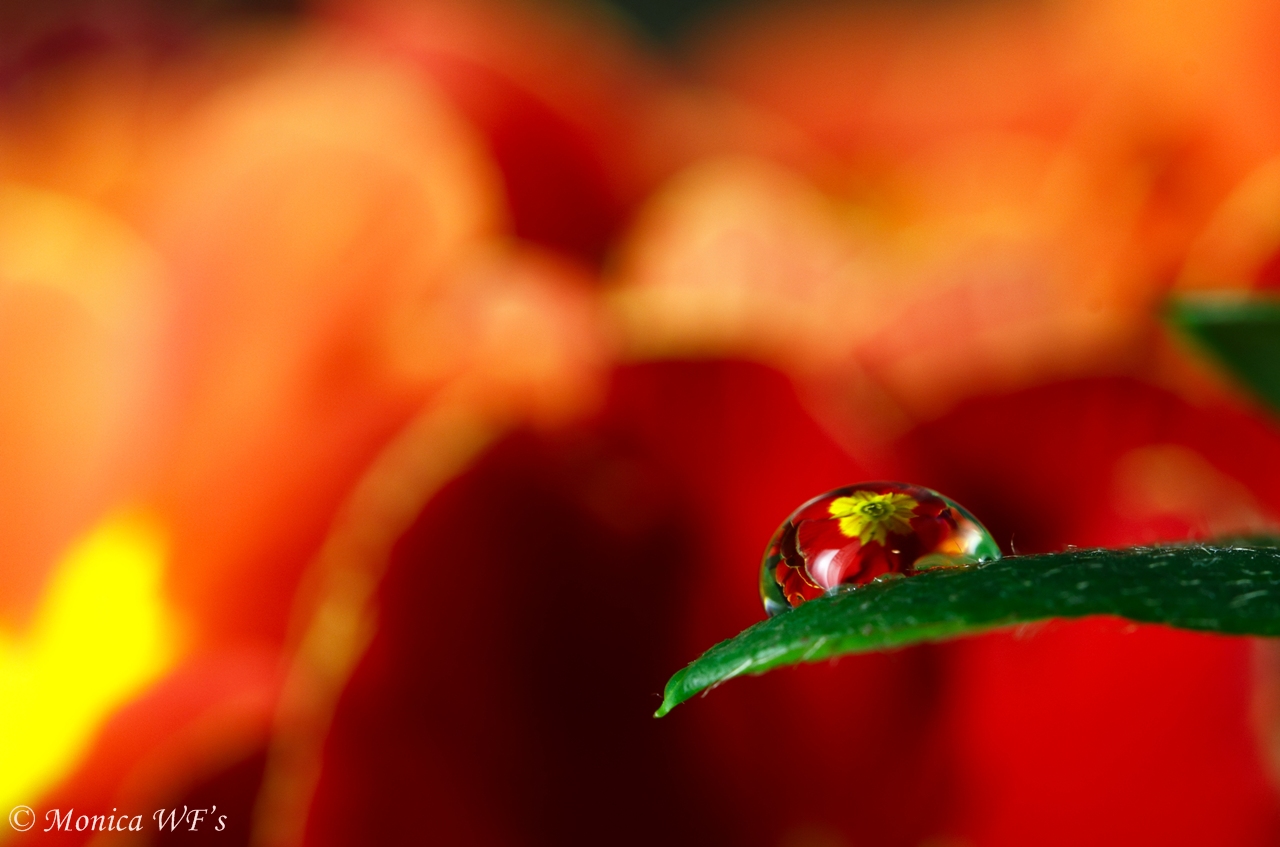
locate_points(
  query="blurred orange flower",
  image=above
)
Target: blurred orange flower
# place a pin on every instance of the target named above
(281, 301)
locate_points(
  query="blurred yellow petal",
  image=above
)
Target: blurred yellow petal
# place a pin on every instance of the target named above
(102, 633)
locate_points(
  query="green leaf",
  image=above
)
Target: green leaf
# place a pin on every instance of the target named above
(666, 21)
(1241, 334)
(1227, 589)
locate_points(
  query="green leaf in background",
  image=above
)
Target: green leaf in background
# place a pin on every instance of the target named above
(666, 21)
(1227, 589)
(1242, 335)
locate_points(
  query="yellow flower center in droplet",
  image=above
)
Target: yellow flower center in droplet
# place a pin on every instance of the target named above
(872, 517)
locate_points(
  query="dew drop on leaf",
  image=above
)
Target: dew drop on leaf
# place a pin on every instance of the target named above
(865, 533)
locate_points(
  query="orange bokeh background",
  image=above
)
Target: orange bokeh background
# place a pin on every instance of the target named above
(393, 394)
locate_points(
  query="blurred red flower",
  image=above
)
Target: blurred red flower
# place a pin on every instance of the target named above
(436, 373)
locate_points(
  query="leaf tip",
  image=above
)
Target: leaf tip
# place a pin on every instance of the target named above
(672, 695)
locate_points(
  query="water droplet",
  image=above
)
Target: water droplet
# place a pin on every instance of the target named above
(862, 533)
